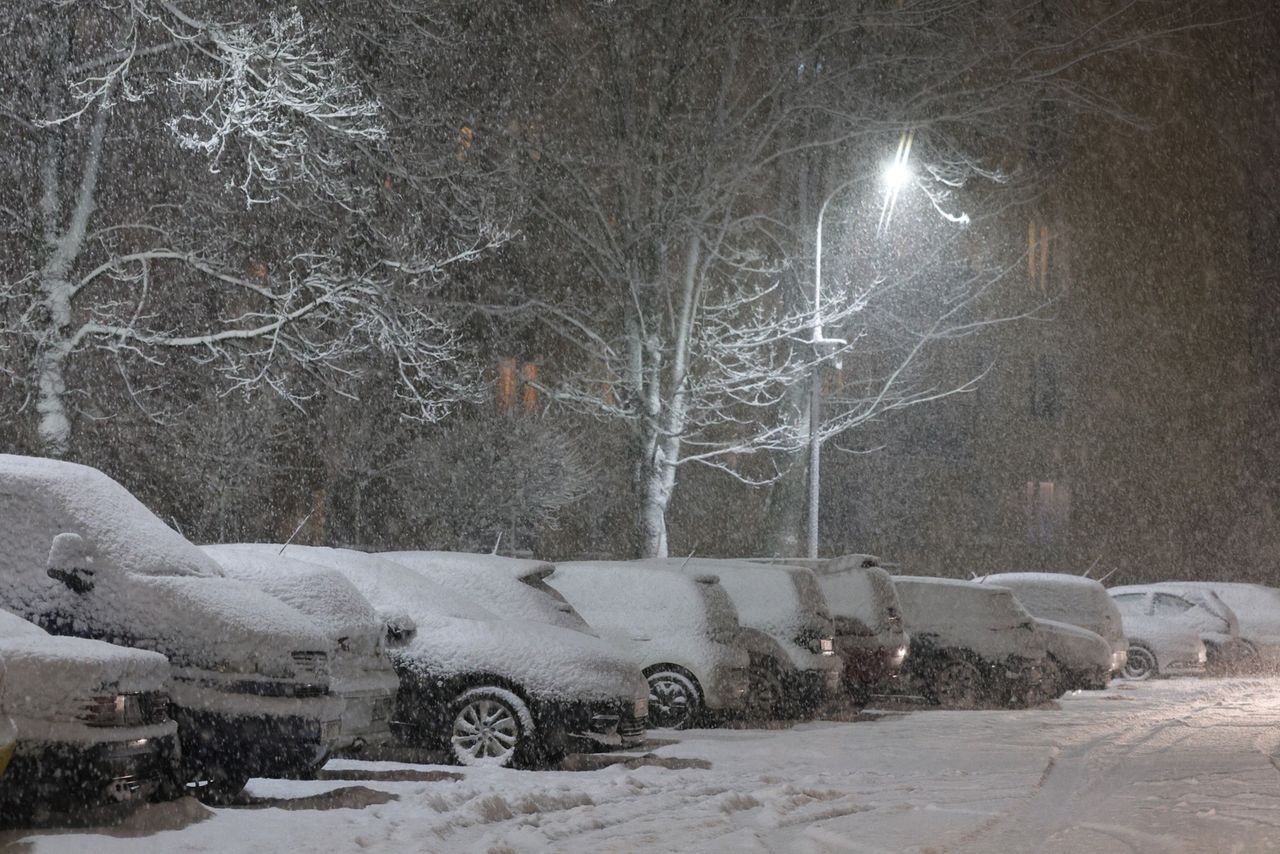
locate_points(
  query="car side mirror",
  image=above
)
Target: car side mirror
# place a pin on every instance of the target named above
(71, 562)
(400, 628)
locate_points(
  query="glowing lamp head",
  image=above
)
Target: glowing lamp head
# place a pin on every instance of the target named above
(897, 175)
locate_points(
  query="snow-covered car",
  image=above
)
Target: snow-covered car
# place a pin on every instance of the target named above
(79, 555)
(92, 721)
(1228, 650)
(1158, 646)
(510, 587)
(360, 671)
(1201, 611)
(971, 644)
(1257, 608)
(786, 603)
(491, 691)
(1076, 659)
(681, 631)
(1071, 599)
(869, 633)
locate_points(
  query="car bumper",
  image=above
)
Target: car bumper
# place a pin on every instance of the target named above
(253, 745)
(809, 688)
(365, 722)
(868, 664)
(728, 689)
(610, 723)
(1183, 668)
(1088, 679)
(64, 776)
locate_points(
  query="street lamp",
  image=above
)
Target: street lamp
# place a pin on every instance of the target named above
(896, 175)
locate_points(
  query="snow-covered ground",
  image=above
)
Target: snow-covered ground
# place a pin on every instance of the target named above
(1164, 766)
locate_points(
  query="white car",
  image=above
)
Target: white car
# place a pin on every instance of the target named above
(1077, 659)
(1204, 610)
(682, 632)
(488, 690)
(1071, 599)
(92, 723)
(360, 671)
(869, 632)
(79, 555)
(971, 644)
(785, 603)
(510, 587)
(1257, 607)
(1219, 633)
(1158, 645)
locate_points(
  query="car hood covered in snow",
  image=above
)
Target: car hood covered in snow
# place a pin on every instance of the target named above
(509, 587)
(456, 636)
(50, 680)
(335, 605)
(1075, 647)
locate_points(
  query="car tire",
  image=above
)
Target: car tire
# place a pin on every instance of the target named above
(674, 699)
(489, 726)
(1141, 664)
(957, 684)
(767, 697)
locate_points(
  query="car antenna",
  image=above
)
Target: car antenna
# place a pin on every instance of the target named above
(686, 560)
(295, 532)
(496, 543)
(1092, 566)
(1108, 575)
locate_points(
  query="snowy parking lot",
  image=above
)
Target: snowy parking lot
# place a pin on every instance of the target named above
(1162, 767)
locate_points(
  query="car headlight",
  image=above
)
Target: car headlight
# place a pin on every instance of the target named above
(1201, 656)
(640, 708)
(827, 646)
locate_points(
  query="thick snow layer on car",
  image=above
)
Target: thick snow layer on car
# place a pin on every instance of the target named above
(781, 600)
(618, 595)
(321, 593)
(864, 596)
(40, 498)
(984, 618)
(1075, 648)
(1067, 598)
(1210, 614)
(1257, 606)
(510, 587)
(456, 636)
(13, 626)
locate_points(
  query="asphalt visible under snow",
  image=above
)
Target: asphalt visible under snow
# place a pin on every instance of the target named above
(1184, 765)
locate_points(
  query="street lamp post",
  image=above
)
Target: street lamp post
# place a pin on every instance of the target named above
(895, 176)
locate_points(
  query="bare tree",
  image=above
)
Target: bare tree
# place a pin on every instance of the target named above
(211, 182)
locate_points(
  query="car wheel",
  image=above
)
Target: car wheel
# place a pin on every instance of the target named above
(673, 700)
(957, 685)
(766, 692)
(1141, 664)
(488, 727)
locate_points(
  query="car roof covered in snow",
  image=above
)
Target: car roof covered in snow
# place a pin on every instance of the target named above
(505, 585)
(779, 599)
(1066, 598)
(79, 499)
(611, 594)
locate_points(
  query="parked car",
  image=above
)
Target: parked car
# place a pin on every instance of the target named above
(1202, 611)
(79, 555)
(361, 674)
(488, 690)
(971, 644)
(786, 603)
(1257, 607)
(870, 636)
(1071, 599)
(682, 631)
(1076, 659)
(1158, 646)
(510, 587)
(92, 724)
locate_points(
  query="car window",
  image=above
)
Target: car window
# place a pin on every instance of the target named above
(1131, 604)
(1168, 605)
